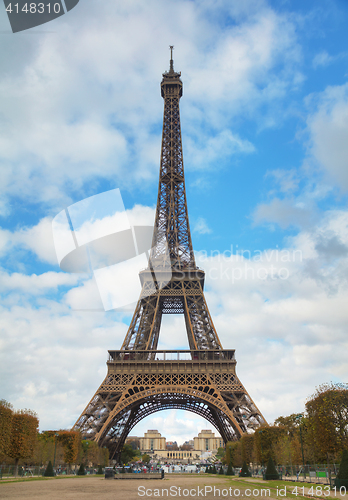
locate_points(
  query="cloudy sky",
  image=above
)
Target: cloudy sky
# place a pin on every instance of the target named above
(264, 120)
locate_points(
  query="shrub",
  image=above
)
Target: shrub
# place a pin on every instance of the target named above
(245, 471)
(100, 469)
(49, 472)
(271, 472)
(81, 471)
(230, 471)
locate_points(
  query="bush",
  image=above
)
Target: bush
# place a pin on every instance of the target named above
(342, 476)
(214, 471)
(81, 471)
(221, 471)
(245, 471)
(49, 472)
(100, 469)
(271, 472)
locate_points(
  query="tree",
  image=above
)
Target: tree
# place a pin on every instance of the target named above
(288, 448)
(23, 436)
(49, 472)
(71, 442)
(221, 471)
(214, 471)
(342, 475)
(128, 454)
(5, 427)
(233, 453)
(327, 413)
(271, 472)
(146, 458)
(267, 441)
(100, 469)
(134, 443)
(247, 448)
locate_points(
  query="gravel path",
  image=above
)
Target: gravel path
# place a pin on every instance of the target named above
(93, 488)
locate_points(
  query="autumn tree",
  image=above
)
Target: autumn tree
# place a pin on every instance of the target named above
(267, 440)
(327, 412)
(233, 453)
(5, 427)
(288, 450)
(247, 448)
(24, 427)
(71, 442)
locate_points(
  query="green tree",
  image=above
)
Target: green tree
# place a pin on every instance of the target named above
(146, 458)
(221, 471)
(214, 471)
(342, 475)
(128, 454)
(49, 472)
(100, 470)
(23, 438)
(5, 427)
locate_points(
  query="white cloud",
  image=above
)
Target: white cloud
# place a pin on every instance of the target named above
(38, 239)
(322, 59)
(327, 126)
(286, 212)
(201, 226)
(69, 117)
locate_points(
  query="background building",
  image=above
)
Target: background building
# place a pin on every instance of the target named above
(168, 451)
(206, 441)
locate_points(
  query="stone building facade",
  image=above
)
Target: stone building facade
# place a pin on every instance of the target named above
(155, 445)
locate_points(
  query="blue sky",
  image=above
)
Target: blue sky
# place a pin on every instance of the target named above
(264, 120)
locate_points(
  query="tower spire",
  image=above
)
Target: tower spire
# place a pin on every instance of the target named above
(171, 68)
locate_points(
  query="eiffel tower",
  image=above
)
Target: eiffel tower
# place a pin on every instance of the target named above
(142, 380)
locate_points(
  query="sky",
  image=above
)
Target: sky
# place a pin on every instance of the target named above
(264, 118)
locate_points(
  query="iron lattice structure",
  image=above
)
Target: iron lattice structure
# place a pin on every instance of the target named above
(141, 379)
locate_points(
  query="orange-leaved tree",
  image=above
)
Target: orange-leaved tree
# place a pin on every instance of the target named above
(71, 442)
(5, 427)
(23, 437)
(327, 412)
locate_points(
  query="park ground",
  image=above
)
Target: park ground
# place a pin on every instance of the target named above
(172, 486)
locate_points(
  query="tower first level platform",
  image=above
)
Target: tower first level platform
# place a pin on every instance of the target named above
(141, 382)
